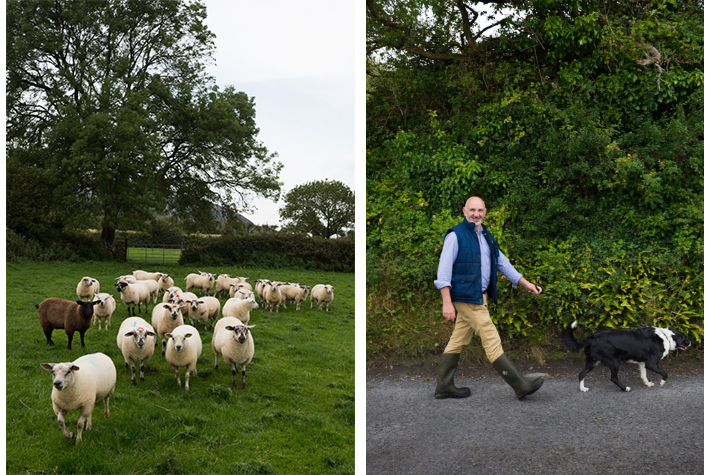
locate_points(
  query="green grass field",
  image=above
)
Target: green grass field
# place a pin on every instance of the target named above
(296, 415)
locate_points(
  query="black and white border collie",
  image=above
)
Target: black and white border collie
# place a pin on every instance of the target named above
(645, 347)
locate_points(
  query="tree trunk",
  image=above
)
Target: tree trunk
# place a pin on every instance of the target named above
(108, 234)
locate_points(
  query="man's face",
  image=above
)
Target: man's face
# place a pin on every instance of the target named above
(475, 211)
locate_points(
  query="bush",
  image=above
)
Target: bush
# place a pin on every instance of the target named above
(275, 251)
(68, 246)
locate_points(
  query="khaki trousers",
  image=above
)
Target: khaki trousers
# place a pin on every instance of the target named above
(469, 318)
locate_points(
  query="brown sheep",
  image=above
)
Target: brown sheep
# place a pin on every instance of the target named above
(56, 314)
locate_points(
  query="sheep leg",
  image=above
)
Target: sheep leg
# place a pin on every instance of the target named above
(234, 376)
(216, 359)
(106, 411)
(177, 375)
(187, 379)
(244, 375)
(81, 334)
(164, 345)
(62, 425)
(71, 337)
(142, 371)
(48, 334)
(133, 373)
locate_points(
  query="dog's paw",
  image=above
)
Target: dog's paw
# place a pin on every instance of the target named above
(649, 384)
(663, 381)
(628, 389)
(584, 390)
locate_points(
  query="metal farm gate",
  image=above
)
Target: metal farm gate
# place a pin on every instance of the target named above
(153, 253)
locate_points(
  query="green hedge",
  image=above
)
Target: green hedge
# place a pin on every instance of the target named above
(275, 251)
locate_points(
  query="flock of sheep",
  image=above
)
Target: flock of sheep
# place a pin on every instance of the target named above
(79, 384)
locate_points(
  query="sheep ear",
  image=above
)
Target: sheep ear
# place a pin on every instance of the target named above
(166, 305)
(79, 302)
(74, 367)
(168, 335)
(229, 328)
(250, 326)
(150, 334)
(130, 333)
(49, 366)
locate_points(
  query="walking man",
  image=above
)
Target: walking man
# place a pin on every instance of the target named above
(467, 278)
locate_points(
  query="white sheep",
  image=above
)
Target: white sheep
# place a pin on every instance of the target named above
(78, 385)
(239, 308)
(202, 281)
(240, 293)
(87, 288)
(127, 278)
(234, 288)
(165, 318)
(132, 295)
(295, 294)
(143, 275)
(184, 348)
(165, 282)
(104, 308)
(232, 339)
(272, 295)
(204, 309)
(153, 288)
(224, 281)
(170, 293)
(136, 340)
(183, 299)
(323, 294)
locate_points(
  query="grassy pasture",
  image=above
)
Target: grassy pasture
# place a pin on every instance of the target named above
(296, 415)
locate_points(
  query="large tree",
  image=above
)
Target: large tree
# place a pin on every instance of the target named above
(320, 208)
(109, 105)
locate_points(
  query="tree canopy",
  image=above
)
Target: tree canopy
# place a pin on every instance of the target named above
(112, 119)
(320, 208)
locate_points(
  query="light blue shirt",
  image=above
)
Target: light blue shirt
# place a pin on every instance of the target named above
(451, 250)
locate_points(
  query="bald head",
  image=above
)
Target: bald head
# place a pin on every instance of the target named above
(475, 211)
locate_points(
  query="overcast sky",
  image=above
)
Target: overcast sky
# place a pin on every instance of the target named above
(297, 59)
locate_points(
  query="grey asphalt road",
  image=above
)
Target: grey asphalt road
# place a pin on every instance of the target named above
(558, 430)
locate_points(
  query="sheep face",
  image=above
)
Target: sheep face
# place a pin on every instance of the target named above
(329, 289)
(178, 340)
(173, 310)
(140, 336)
(87, 308)
(121, 285)
(62, 374)
(102, 302)
(241, 332)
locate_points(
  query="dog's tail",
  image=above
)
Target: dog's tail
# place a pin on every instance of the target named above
(570, 341)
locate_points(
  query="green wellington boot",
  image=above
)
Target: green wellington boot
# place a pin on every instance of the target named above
(445, 378)
(510, 375)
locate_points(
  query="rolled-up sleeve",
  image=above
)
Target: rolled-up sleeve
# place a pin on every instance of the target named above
(446, 261)
(507, 269)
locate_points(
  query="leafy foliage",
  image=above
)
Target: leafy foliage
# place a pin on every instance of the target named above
(580, 125)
